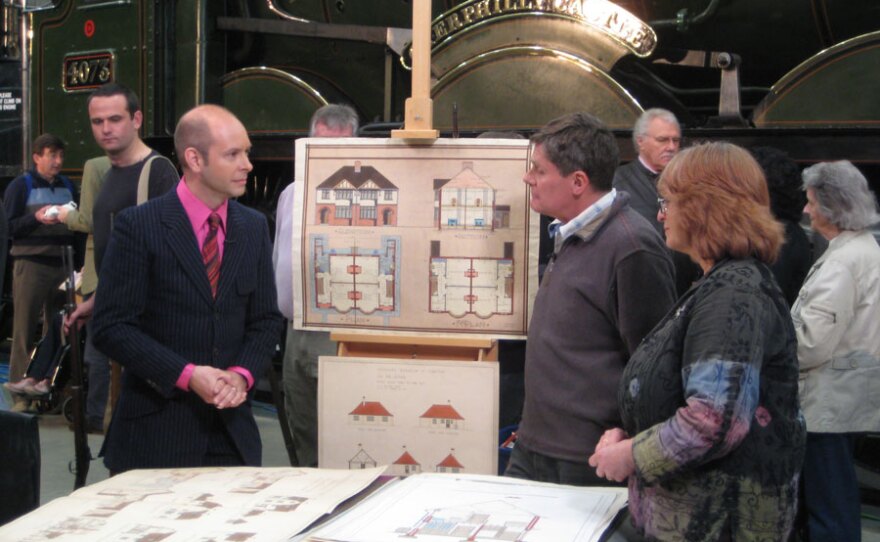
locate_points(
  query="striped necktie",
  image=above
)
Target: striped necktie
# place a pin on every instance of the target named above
(211, 254)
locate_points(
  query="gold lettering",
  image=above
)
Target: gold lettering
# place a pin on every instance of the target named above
(483, 9)
(611, 22)
(601, 14)
(439, 31)
(468, 14)
(454, 21)
(573, 7)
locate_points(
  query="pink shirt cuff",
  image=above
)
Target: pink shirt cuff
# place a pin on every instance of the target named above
(246, 374)
(185, 376)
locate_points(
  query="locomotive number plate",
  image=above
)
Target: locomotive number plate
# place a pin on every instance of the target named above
(86, 71)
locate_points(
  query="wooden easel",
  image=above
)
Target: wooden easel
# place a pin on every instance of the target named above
(419, 108)
(361, 345)
(418, 128)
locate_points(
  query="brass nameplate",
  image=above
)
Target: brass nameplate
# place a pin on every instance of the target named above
(602, 15)
(87, 71)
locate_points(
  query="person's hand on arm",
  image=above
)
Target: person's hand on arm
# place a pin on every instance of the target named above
(613, 458)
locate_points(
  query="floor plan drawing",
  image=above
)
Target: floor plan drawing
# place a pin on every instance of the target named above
(396, 238)
(355, 278)
(466, 285)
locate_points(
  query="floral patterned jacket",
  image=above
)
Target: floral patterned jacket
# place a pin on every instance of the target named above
(710, 397)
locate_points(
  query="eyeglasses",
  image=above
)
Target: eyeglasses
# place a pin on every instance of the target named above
(663, 140)
(664, 204)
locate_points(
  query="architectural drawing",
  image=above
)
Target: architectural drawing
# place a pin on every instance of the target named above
(145, 533)
(443, 416)
(490, 520)
(361, 460)
(192, 504)
(371, 413)
(356, 196)
(405, 465)
(461, 285)
(469, 508)
(355, 278)
(276, 503)
(260, 481)
(367, 210)
(466, 201)
(450, 464)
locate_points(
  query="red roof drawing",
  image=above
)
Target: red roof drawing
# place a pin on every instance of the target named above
(406, 459)
(370, 408)
(451, 462)
(443, 412)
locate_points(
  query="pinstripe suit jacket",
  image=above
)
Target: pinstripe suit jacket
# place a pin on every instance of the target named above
(155, 313)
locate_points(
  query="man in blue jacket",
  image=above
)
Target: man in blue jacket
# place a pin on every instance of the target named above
(38, 239)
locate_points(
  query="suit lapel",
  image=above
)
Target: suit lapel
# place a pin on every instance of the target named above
(182, 240)
(234, 249)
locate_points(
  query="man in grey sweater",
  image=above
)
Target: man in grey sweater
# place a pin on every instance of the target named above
(610, 280)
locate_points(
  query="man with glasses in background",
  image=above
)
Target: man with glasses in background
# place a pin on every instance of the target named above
(657, 138)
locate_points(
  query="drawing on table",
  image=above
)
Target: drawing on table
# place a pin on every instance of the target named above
(491, 520)
(276, 503)
(356, 196)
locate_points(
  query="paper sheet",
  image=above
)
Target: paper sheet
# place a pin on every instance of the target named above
(193, 505)
(446, 508)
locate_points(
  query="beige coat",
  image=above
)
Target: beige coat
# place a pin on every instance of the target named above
(837, 321)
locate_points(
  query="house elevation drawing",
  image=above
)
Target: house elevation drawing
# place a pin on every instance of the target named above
(414, 415)
(442, 416)
(371, 413)
(357, 196)
(396, 238)
(405, 465)
(467, 201)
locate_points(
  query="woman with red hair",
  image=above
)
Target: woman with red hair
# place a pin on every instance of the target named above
(713, 438)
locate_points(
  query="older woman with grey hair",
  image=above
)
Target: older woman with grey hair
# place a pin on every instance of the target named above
(835, 319)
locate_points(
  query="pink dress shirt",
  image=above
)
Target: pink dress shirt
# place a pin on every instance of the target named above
(198, 214)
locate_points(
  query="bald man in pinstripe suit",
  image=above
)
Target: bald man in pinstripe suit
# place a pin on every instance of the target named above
(191, 346)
